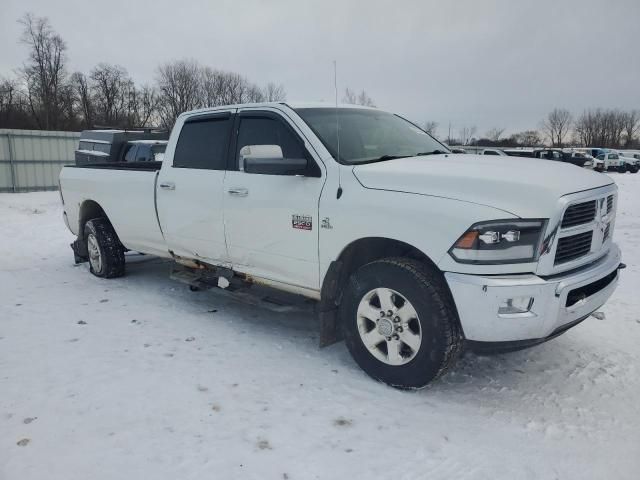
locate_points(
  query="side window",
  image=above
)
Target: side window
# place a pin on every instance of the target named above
(130, 153)
(203, 144)
(144, 153)
(613, 156)
(600, 157)
(268, 131)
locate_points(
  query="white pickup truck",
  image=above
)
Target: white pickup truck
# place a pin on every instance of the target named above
(411, 253)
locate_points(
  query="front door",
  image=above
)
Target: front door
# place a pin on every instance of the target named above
(190, 192)
(272, 220)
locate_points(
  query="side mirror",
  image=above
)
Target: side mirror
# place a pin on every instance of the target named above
(269, 160)
(275, 166)
(273, 152)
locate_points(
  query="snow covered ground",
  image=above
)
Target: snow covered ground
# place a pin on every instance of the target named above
(138, 378)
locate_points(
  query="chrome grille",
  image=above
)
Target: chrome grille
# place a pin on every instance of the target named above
(572, 247)
(605, 235)
(609, 203)
(579, 214)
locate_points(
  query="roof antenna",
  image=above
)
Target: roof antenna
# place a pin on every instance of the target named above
(335, 86)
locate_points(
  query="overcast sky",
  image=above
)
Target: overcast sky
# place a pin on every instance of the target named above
(469, 62)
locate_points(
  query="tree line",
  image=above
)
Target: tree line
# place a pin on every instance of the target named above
(596, 127)
(44, 95)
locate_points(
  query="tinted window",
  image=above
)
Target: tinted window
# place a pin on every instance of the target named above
(86, 146)
(203, 144)
(144, 153)
(490, 152)
(130, 152)
(613, 156)
(269, 131)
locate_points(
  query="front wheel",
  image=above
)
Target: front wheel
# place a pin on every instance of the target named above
(399, 322)
(106, 253)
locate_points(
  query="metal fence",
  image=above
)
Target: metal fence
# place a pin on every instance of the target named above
(30, 160)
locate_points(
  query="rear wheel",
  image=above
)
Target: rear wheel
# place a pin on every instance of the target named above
(399, 322)
(106, 253)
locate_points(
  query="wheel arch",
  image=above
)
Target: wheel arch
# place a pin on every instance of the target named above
(353, 256)
(88, 210)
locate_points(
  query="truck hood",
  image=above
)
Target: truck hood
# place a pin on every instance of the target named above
(524, 187)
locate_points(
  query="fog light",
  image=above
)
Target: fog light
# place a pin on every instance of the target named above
(511, 306)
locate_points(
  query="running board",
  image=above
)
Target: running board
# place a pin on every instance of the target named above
(226, 284)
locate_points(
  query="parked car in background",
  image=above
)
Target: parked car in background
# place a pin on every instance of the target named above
(612, 161)
(117, 146)
(519, 152)
(493, 151)
(630, 153)
(631, 164)
(458, 150)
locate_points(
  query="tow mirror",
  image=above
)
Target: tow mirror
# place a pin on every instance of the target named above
(268, 160)
(273, 152)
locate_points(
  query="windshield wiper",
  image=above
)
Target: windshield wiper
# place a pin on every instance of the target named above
(385, 157)
(390, 157)
(434, 152)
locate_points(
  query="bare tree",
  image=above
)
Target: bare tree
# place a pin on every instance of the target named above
(466, 134)
(361, 98)
(557, 126)
(605, 128)
(44, 72)
(80, 85)
(365, 99)
(528, 138)
(430, 127)
(631, 125)
(142, 107)
(179, 85)
(494, 134)
(14, 110)
(113, 95)
(274, 93)
(350, 96)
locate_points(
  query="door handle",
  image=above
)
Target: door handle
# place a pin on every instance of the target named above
(238, 191)
(168, 186)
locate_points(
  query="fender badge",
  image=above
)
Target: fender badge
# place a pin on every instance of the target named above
(326, 223)
(302, 222)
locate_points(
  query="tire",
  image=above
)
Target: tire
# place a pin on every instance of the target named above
(106, 253)
(634, 169)
(436, 323)
(622, 169)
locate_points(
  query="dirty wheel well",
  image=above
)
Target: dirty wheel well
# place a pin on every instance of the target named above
(365, 251)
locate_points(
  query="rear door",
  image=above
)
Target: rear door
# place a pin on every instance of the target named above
(190, 191)
(272, 220)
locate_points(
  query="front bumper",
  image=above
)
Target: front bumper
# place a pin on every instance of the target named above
(558, 301)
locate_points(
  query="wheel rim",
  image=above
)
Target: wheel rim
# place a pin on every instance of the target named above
(389, 326)
(95, 258)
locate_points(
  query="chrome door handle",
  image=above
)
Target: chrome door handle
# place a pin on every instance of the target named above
(168, 186)
(238, 191)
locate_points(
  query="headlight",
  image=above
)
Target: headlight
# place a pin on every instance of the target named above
(500, 241)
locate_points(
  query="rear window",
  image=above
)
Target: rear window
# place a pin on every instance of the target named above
(203, 144)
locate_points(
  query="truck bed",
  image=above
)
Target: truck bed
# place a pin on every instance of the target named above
(126, 192)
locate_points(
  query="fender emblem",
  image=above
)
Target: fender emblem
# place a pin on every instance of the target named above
(326, 223)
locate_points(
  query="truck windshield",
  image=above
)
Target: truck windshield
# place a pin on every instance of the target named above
(368, 135)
